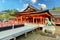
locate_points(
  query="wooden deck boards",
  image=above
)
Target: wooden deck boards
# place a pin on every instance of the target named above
(9, 34)
(37, 36)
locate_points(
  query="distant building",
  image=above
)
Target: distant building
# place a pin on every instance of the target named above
(56, 15)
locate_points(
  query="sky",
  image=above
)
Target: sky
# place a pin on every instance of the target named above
(22, 4)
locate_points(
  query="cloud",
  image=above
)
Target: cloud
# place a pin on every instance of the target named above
(17, 9)
(43, 6)
(33, 1)
(24, 7)
(38, 3)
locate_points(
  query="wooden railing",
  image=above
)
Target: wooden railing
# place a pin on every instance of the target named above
(7, 24)
(57, 22)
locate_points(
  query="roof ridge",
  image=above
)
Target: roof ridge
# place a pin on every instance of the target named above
(31, 7)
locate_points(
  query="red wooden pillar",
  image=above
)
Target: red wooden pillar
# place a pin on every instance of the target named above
(33, 19)
(41, 19)
(21, 19)
(24, 19)
(17, 19)
(44, 20)
(36, 20)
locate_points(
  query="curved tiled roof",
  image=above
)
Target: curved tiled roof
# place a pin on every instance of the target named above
(55, 13)
(30, 8)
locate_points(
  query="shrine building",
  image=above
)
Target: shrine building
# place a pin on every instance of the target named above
(33, 15)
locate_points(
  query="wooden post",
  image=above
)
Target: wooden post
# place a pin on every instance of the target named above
(44, 20)
(32, 31)
(14, 38)
(51, 19)
(25, 34)
(17, 19)
(25, 20)
(13, 26)
(21, 19)
(36, 20)
(33, 19)
(28, 20)
(41, 19)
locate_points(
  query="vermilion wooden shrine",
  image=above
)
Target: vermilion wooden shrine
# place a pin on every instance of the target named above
(32, 15)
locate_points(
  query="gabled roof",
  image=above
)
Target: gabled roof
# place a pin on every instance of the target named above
(38, 12)
(56, 14)
(30, 8)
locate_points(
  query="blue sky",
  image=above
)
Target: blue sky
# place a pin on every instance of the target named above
(22, 4)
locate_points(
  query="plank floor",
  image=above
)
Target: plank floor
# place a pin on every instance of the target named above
(37, 36)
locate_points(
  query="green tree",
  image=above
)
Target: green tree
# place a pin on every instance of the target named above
(5, 16)
(56, 8)
(0, 16)
(11, 11)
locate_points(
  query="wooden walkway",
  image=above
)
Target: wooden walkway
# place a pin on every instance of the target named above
(38, 36)
(13, 33)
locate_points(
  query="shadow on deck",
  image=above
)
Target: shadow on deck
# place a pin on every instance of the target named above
(10, 27)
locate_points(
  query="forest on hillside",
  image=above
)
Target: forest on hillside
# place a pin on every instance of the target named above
(6, 14)
(56, 8)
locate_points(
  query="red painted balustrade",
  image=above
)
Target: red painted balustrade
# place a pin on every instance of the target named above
(7, 24)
